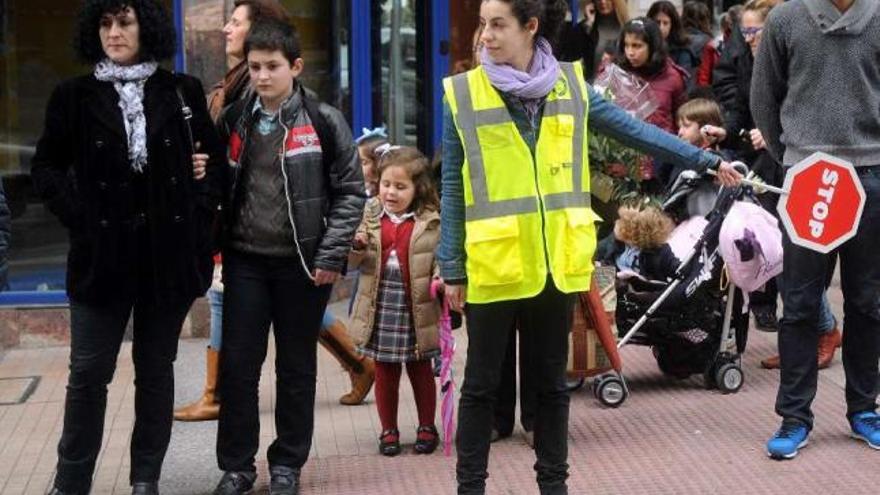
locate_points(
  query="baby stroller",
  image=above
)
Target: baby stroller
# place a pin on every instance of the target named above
(693, 323)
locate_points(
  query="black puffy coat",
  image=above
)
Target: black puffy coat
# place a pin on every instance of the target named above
(324, 181)
(82, 171)
(732, 81)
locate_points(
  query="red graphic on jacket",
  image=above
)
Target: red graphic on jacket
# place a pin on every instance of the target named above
(301, 140)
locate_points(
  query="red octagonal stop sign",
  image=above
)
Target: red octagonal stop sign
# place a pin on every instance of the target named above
(823, 204)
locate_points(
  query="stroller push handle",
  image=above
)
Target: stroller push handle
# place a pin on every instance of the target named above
(748, 178)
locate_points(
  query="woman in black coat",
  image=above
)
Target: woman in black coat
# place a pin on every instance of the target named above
(116, 164)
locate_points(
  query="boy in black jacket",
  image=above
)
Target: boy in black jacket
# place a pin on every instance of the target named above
(294, 201)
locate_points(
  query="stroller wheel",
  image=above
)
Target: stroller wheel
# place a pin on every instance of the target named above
(729, 378)
(611, 391)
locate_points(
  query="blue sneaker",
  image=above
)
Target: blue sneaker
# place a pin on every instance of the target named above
(788, 440)
(866, 426)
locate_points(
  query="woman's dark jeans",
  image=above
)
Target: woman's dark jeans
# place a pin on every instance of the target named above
(260, 291)
(505, 407)
(96, 336)
(543, 320)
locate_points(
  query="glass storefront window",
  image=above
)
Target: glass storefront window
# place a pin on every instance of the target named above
(35, 55)
(323, 30)
(397, 39)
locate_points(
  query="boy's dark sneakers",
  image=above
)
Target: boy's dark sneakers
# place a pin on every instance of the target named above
(56, 491)
(145, 488)
(427, 439)
(866, 427)
(389, 442)
(788, 440)
(235, 483)
(284, 480)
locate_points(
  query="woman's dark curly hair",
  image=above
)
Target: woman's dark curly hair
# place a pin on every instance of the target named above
(158, 39)
(648, 31)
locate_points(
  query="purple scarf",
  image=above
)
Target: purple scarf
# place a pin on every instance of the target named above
(532, 85)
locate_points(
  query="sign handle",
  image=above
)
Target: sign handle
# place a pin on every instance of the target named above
(756, 184)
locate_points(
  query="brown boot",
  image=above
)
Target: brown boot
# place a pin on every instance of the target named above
(771, 363)
(828, 342)
(361, 369)
(207, 408)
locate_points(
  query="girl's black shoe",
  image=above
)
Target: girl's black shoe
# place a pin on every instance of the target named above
(389, 442)
(427, 439)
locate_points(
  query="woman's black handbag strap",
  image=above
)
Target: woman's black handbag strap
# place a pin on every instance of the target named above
(187, 116)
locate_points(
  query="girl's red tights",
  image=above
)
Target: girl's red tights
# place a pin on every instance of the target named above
(387, 385)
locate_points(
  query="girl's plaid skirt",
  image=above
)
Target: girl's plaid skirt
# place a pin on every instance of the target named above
(394, 338)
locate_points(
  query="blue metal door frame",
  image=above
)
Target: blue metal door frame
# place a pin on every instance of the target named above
(439, 64)
(180, 56)
(361, 62)
(361, 66)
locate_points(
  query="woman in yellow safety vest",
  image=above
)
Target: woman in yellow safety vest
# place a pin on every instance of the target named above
(517, 235)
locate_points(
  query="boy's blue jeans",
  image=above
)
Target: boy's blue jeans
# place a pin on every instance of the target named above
(215, 299)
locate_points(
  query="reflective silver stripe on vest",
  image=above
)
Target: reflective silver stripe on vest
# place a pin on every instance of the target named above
(559, 201)
(579, 123)
(469, 119)
(494, 116)
(502, 208)
(467, 122)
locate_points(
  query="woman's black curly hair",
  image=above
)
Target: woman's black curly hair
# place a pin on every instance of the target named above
(158, 39)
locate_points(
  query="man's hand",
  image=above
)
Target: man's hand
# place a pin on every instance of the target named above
(200, 161)
(325, 277)
(757, 139)
(456, 295)
(727, 175)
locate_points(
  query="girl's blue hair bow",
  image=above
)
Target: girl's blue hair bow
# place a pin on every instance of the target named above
(368, 134)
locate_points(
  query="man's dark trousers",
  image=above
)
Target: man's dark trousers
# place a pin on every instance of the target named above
(804, 277)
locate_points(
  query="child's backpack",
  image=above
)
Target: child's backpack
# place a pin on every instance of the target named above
(322, 129)
(751, 244)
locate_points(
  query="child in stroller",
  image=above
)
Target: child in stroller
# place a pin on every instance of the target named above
(677, 301)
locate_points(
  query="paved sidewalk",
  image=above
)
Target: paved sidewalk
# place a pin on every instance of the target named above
(670, 437)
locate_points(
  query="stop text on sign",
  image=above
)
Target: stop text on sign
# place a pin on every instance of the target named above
(820, 207)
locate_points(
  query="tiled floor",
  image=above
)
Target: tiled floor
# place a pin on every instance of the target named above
(670, 437)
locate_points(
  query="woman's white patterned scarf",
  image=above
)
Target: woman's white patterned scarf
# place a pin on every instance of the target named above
(129, 81)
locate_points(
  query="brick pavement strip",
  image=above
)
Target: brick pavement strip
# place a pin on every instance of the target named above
(670, 437)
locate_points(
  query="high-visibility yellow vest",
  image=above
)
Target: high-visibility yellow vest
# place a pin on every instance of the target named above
(525, 215)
